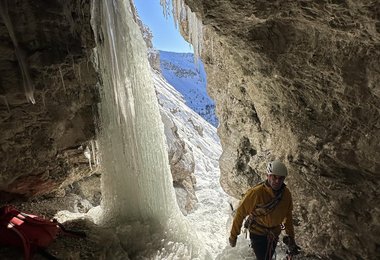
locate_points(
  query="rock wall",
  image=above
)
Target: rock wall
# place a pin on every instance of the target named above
(299, 81)
(153, 54)
(42, 145)
(182, 164)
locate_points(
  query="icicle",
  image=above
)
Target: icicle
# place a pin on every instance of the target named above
(87, 154)
(181, 13)
(97, 149)
(93, 152)
(28, 85)
(177, 14)
(63, 82)
(43, 98)
(79, 74)
(165, 7)
(6, 102)
(195, 33)
(73, 63)
(76, 71)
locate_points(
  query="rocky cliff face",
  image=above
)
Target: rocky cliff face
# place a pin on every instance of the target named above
(294, 80)
(299, 81)
(42, 145)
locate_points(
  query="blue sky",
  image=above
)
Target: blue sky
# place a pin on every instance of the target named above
(165, 36)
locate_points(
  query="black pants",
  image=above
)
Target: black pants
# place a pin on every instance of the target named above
(260, 246)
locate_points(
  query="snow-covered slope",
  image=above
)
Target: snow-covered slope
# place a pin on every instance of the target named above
(212, 208)
(211, 217)
(189, 79)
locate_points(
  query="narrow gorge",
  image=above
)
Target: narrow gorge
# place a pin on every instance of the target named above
(292, 80)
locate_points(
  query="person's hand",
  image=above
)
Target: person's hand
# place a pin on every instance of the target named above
(232, 242)
(293, 248)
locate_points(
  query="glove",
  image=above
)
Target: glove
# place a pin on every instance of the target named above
(293, 248)
(232, 242)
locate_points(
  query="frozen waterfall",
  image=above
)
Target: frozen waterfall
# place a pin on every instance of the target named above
(136, 179)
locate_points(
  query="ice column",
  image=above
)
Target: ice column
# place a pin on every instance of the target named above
(136, 180)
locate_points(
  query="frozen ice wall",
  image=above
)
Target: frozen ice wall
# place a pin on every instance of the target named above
(136, 179)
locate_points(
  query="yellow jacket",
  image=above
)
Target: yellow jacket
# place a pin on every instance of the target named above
(281, 214)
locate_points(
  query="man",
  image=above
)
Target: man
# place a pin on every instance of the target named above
(268, 205)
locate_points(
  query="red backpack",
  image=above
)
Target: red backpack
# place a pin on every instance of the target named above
(30, 232)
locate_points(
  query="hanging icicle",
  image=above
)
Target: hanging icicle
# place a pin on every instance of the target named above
(4, 98)
(87, 154)
(165, 7)
(28, 85)
(62, 80)
(182, 13)
(195, 32)
(93, 152)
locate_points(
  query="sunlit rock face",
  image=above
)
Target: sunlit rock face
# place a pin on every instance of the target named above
(153, 54)
(182, 165)
(42, 145)
(299, 81)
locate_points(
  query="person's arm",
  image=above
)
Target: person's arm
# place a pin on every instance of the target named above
(293, 248)
(243, 210)
(289, 228)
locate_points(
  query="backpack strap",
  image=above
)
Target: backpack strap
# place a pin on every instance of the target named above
(75, 233)
(263, 209)
(25, 242)
(46, 254)
(35, 220)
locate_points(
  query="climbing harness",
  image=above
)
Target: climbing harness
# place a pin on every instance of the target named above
(262, 210)
(272, 240)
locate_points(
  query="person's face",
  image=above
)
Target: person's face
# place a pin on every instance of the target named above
(275, 181)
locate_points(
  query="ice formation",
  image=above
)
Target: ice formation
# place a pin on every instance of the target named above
(4, 98)
(137, 192)
(87, 154)
(61, 77)
(182, 13)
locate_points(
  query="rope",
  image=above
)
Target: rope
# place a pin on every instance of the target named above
(271, 239)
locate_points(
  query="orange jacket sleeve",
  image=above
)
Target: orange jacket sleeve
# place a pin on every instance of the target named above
(245, 208)
(289, 229)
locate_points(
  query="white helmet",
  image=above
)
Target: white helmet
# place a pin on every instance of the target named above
(277, 168)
